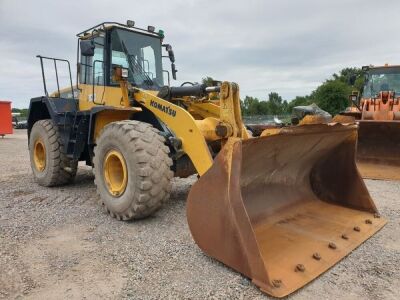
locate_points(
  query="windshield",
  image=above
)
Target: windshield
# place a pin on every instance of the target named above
(141, 54)
(382, 79)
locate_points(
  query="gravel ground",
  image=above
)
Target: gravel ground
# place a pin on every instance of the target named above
(58, 243)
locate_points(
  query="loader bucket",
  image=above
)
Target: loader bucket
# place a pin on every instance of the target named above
(378, 149)
(284, 208)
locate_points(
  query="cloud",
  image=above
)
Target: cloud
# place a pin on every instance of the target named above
(265, 45)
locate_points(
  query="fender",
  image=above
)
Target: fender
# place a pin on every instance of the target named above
(72, 124)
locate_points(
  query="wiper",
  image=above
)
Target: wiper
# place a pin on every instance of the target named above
(134, 66)
(140, 70)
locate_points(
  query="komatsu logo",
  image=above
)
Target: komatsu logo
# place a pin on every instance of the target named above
(165, 109)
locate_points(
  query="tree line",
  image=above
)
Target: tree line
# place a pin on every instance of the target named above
(332, 96)
(23, 112)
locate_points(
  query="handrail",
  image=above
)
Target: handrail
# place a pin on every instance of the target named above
(56, 71)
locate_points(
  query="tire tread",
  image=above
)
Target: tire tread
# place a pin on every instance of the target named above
(153, 166)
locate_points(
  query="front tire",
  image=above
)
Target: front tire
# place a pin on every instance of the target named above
(49, 163)
(132, 169)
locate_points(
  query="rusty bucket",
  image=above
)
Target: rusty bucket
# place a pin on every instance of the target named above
(284, 208)
(378, 150)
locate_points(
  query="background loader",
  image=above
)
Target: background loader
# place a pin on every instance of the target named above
(378, 114)
(280, 209)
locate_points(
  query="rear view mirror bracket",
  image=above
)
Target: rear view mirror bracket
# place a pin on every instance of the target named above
(174, 71)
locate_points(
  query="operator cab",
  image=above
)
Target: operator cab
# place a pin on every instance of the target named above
(381, 79)
(108, 46)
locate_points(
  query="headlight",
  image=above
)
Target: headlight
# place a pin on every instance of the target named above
(130, 23)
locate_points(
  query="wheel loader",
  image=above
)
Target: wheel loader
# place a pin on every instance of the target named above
(378, 114)
(280, 209)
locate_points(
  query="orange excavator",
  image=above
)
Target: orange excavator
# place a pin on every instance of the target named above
(378, 112)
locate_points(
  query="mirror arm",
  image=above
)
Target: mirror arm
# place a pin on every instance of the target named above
(174, 70)
(169, 81)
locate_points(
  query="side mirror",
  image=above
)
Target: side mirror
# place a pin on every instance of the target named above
(87, 47)
(171, 54)
(171, 57)
(174, 70)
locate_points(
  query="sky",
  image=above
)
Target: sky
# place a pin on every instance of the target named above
(283, 46)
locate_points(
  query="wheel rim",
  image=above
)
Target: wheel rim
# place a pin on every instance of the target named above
(115, 173)
(39, 155)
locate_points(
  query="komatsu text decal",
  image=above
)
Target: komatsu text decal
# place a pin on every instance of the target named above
(165, 109)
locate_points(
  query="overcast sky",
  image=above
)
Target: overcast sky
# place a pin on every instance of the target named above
(285, 46)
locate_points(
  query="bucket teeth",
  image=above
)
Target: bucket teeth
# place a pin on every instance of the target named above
(332, 245)
(316, 256)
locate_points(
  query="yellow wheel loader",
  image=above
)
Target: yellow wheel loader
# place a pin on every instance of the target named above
(280, 209)
(378, 114)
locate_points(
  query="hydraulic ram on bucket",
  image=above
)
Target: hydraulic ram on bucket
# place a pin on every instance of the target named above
(282, 209)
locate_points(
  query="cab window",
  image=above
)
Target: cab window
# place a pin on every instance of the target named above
(92, 67)
(140, 54)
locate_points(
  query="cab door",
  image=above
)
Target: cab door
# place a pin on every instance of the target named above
(92, 73)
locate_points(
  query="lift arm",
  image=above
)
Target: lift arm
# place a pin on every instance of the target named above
(183, 125)
(193, 133)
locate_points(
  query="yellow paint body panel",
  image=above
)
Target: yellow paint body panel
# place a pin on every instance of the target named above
(107, 116)
(204, 109)
(103, 95)
(109, 96)
(183, 125)
(207, 127)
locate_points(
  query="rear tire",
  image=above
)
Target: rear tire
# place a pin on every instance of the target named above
(49, 163)
(132, 169)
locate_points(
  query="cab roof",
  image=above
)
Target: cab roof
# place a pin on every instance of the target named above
(108, 25)
(379, 67)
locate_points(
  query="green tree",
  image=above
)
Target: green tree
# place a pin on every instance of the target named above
(274, 103)
(352, 77)
(263, 108)
(285, 107)
(23, 112)
(208, 81)
(251, 106)
(332, 96)
(359, 83)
